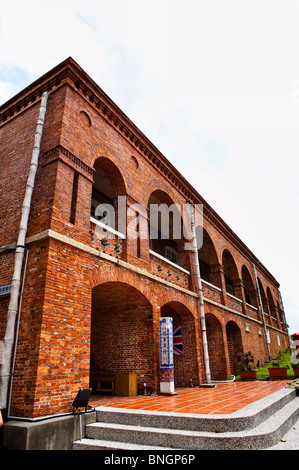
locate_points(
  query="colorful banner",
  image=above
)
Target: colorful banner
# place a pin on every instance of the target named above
(166, 343)
(166, 356)
(177, 341)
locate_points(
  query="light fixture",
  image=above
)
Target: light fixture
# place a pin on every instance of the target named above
(82, 399)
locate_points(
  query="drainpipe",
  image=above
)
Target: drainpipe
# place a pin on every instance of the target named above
(284, 317)
(200, 298)
(19, 256)
(262, 311)
(17, 333)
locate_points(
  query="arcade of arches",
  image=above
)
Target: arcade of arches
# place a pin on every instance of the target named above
(123, 331)
(123, 338)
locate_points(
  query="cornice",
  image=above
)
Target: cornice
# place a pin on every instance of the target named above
(71, 74)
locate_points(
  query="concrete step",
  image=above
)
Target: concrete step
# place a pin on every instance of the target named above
(246, 418)
(257, 426)
(264, 435)
(97, 444)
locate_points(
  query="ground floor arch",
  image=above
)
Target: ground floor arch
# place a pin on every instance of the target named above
(234, 344)
(185, 364)
(122, 336)
(216, 347)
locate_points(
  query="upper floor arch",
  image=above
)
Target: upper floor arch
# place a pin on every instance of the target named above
(272, 308)
(109, 184)
(166, 231)
(155, 185)
(263, 297)
(249, 289)
(208, 259)
(231, 274)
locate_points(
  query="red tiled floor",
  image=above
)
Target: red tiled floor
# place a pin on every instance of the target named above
(225, 398)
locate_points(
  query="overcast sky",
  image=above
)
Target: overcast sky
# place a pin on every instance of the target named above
(214, 84)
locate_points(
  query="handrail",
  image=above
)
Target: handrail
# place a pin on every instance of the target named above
(106, 227)
(157, 255)
(211, 285)
(234, 297)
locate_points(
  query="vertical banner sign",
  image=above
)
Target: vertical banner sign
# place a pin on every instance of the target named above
(166, 356)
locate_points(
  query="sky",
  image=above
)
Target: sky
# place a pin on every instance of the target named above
(214, 84)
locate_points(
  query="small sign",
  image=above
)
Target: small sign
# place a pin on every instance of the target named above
(5, 290)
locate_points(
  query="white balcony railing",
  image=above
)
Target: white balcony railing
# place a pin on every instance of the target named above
(211, 285)
(107, 228)
(157, 255)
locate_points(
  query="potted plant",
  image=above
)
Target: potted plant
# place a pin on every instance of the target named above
(276, 370)
(246, 368)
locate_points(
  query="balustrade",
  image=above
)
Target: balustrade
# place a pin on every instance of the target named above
(166, 269)
(105, 238)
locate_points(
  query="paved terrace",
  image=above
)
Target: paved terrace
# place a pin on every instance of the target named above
(225, 398)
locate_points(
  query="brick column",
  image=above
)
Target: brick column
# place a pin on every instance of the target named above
(267, 311)
(156, 347)
(226, 351)
(217, 272)
(240, 293)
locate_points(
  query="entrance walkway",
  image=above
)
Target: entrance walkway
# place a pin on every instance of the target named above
(225, 398)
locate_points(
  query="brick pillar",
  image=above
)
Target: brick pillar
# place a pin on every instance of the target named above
(226, 351)
(267, 310)
(254, 301)
(83, 203)
(156, 347)
(217, 272)
(240, 293)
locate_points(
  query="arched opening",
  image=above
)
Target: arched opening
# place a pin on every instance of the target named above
(234, 344)
(271, 304)
(108, 186)
(280, 313)
(263, 297)
(121, 333)
(249, 290)
(216, 348)
(165, 227)
(185, 363)
(230, 273)
(208, 260)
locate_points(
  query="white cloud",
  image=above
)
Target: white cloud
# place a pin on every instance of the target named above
(214, 85)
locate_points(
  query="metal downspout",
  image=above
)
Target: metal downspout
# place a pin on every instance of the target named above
(262, 311)
(200, 298)
(17, 334)
(284, 316)
(19, 256)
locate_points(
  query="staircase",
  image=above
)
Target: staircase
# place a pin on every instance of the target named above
(257, 426)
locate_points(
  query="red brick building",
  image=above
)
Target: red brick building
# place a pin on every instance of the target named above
(93, 296)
